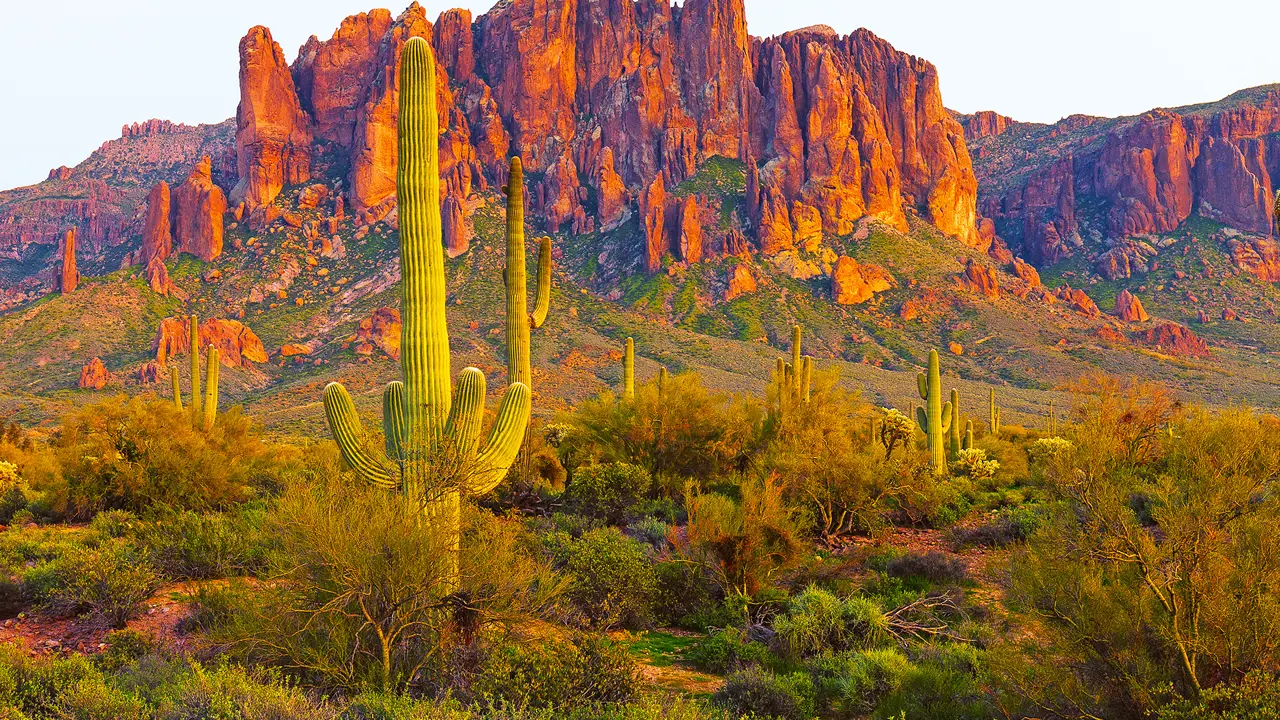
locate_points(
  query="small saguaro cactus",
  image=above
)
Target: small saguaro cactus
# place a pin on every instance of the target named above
(663, 378)
(519, 320)
(967, 443)
(212, 363)
(194, 348)
(935, 421)
(177, 387)
(993, 413)
(629, 370)
(953, 437)
(1052, 420)
(433, 448)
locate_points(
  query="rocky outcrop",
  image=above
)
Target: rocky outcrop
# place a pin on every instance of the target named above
(1257, 256)
(1078, 300)
(273, 133)
(689, 226)
(1176, 340)
(1129, 308)
(981, 279)
(157, 275)
(332, 78)
(69, 277)
(237, 345)
(198, 206)
(1137, 176)
(94, 375)
(453, 226)
(1125, 259)
(157, 238)
(853, 283)
(741, 282)
(380, 330)
(611, 192)
(984, 124)
(1026, 272)
(653, 201)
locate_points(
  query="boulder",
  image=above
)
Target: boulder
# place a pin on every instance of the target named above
(198, 207)
(741, 282)
(1129, 308)
(380, 330)
(94, 375)
(853, 283)
(237, 345)
(1176, 340)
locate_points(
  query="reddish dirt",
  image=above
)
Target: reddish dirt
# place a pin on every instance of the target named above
(41, 635)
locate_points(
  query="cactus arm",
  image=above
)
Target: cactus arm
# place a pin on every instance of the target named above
(348, 432)
(424, 335)
(796, 332)
(393, 421)
(504, 443)
(629, 370)
(922, 383)
(967, 443)
(177, 387)
(946, 418)
(467, 416)
(518, 368)
(922, 419)
(212, 363)
(194, 349)
(543, 291)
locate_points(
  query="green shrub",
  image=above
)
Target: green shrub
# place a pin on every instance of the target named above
(853, 684)
(557, 674)
(123, 647)
(607, 491)
(1254, 697)
(13, 501)
(817, 621)
(929, 692)
(727, 649)
(111, 582)
(936, 567)
(194, 546)
(114, 523)
(683, 590)
(612, 582)
(754, 690)
(651, 531)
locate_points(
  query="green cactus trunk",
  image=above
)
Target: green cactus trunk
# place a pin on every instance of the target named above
(934, 418)
(993, 414)
(176, 382)
(967, 443)
(212, 363)
(519, 320)
(629, 371)
(806, 377)
(954, 438)
(433, 453)
(194, 348)
(796, 357)
(663, 379)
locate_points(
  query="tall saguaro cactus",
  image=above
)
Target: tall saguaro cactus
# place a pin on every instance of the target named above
(177, 387)
(954, 442)
(194, 348)
(629, 370)
(934, 418)
(519, 320)
(993, 413)
(433, 453)
(212, 363)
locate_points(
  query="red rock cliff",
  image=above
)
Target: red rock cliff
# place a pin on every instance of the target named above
(273, 134)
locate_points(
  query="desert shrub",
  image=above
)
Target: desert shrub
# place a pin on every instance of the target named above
(36, 686)
(111, 582)
(367, 598)
(727, 649)
(132, 454)
(683, 590)
(817, 621)
(612, 582)
(1009, 525)
(744, 543)
(936, 567)
(926, 500)
(123, 647)
(974, 464)
(114, 523)
(607, 491)
(557, 674)
(652, 532)
(930, 692)
(186, 545)
(852, 684)
(1255, 697)
(683, 432)
(754, 690)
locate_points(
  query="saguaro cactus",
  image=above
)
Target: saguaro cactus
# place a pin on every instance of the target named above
(993, 413)
(432, 449)
(629, 370)
(194, 351)
(212, 363)
(519, 320)
(967, 443)
(954, 438)
(935, 421)
(177, 387)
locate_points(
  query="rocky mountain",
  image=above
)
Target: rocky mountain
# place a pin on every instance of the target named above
(704, 188)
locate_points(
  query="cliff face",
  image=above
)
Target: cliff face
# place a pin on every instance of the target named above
(1111, 179)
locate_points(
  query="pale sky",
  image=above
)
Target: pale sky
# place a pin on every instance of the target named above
(74, 71)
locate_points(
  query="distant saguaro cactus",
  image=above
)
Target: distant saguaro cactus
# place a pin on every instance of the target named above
(629, 370)
(934, 418)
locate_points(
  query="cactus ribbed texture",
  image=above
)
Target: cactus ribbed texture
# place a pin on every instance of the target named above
(806, 377)
(663, 378)
(967, 442)
(954, 438)
(177, 387)
(519, 320)
(212, 363)
(796, 358)
(629, 370)
(194, 334)
(993, 413)
(432, 438)
(935, 421)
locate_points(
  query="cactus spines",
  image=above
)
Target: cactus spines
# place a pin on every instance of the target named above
(434, 453)
(993, 413)
(954, 439)
(519, 320)
(212, 363)
(629, 370)
(177, 387)
(194, 348)
(934, 418)
(967, 443)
